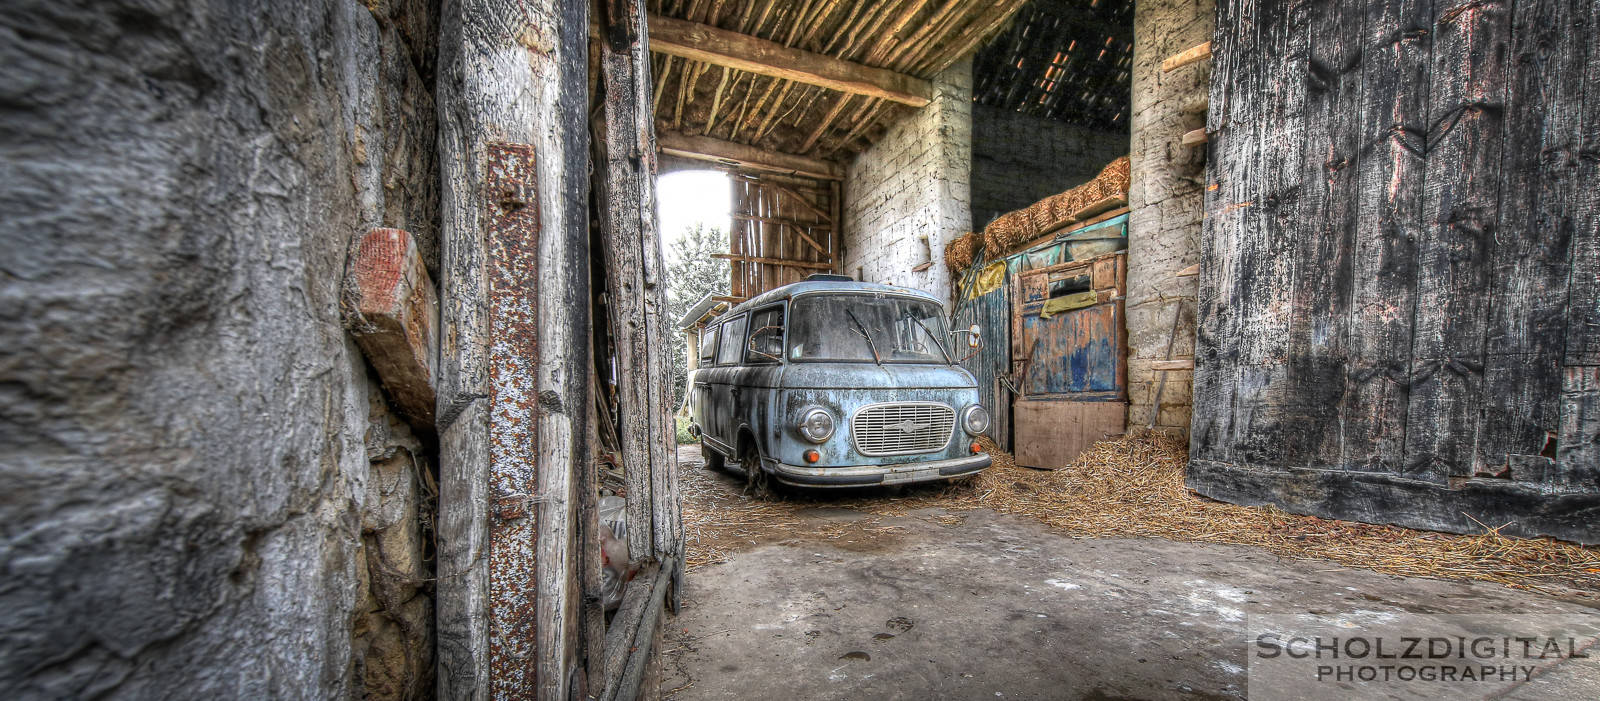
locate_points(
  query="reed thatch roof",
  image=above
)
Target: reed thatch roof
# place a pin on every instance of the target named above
(880, 53)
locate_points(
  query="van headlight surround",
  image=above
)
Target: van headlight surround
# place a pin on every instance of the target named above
(975, 420)
(816, 425)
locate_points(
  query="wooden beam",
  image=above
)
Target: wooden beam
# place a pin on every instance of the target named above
(1197, 136)
(720, 47)
(1184, 364)
(514, 299)
(1194, 55)
(774, 261)
(624, 186)
(738, 155)
(397, 321)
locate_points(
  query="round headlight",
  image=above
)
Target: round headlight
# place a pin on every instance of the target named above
(975, 420)
(817, 425)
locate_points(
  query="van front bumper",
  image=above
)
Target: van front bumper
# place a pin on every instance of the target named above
(864, 475)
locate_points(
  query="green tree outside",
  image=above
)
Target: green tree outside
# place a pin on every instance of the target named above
(690, 277)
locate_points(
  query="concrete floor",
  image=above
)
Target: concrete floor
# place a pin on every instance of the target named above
(1002, 607)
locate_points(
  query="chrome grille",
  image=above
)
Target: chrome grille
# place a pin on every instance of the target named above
(902, 428)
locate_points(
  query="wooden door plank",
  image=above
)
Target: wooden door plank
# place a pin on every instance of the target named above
(1256, 242)
(1323, 236)
(1395, 76)
(1578, 440)
(1460, 202)
(1530, 251)
(1232, 123)
(1583, 307)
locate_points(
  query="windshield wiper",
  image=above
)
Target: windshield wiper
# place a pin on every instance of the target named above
(936, 342)
(862, 329)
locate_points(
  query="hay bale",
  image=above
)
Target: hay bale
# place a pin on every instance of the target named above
(1062, 209)
(1007, 231)
(959, 253)
(1015, 228)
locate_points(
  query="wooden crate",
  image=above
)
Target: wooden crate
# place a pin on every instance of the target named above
(1051, 434)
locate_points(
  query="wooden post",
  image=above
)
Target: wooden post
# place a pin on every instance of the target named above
(625, 162)
(397, 320)
(513, 392)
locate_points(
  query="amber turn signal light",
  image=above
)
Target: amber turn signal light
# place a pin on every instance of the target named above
(813, 456)
(977, 447)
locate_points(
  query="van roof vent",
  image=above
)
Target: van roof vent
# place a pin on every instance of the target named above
(826, 277)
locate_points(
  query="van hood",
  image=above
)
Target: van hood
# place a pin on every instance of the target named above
(873, 376)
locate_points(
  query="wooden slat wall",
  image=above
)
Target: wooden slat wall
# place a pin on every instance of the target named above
(992, 313)
(777, 218)
(1400, 259)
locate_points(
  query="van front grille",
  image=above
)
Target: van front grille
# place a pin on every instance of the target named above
(902, 428)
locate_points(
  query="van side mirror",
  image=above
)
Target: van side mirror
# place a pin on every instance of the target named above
(973, 339)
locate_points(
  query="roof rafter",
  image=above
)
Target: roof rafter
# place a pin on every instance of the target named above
(720, 47)
(734, 154)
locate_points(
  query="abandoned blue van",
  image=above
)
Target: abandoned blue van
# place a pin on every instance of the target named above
(836, 383)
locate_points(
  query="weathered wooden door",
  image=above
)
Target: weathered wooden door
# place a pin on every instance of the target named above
(1069, 345)
(784, 228)
(1399, 303)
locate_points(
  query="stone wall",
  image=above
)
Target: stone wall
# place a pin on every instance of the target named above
(908, 195)
(1166, 205)
(1019, 159)
(206, 496)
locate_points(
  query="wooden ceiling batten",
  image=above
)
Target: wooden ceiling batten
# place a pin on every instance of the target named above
(742, 52)
(806, 103)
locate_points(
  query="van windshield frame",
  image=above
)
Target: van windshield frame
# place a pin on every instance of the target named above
(828, 327)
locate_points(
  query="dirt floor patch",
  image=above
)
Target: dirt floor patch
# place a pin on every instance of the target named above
(1126, 487)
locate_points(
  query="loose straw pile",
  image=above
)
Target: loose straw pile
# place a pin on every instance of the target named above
(1133, 487)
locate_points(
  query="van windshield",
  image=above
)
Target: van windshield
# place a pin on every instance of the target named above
(865, 327)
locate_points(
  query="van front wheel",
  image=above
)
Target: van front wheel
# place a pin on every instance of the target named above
(757, 482)
(714, 460)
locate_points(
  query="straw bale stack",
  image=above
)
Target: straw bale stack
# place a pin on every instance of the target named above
(959, 254)
(1008, 230)
(1023, 225)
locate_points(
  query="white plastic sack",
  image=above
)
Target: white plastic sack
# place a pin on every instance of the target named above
(616, 567)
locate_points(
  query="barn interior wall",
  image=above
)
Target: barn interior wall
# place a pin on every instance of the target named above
(207, 495)
(908, 195)
(1165, 202)
(1019, 159)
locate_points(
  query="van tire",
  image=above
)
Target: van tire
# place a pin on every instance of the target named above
(714, 460)
(757, 482)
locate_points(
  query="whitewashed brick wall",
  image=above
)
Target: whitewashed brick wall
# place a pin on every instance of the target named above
(912, 184)
(1167, 200)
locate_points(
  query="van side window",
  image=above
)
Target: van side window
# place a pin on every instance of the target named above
(708, 344)
(731, 342)
(766, 337)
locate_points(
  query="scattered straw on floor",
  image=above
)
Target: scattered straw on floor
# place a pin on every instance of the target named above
(1133, 487)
